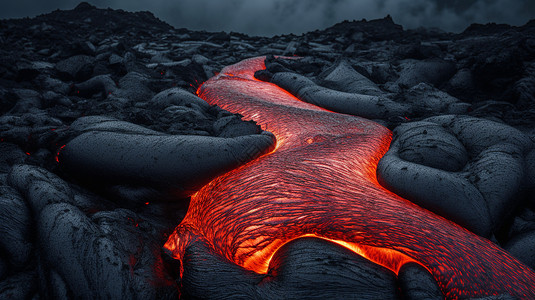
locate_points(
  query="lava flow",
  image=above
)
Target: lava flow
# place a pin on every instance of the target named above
(320, 181)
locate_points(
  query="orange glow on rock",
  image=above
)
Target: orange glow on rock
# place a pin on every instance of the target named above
(328, 189)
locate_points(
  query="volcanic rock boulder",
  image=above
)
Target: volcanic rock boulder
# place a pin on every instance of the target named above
(466, 169)
(306, 268)
(415, 282)
(129, 155)
(15, 228)
(367, 106)
(427, 100)
(79, 67)
(340, 88)
(135, 86)
(110, 254)
(461, 84)
(10, 154)
(176, 96)
(343, 77)
(102, 84)
(434, 71)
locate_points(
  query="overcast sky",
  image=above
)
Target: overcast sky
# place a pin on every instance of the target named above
(269, 17)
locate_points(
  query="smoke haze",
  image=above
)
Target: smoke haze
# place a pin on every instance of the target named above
(271, 17)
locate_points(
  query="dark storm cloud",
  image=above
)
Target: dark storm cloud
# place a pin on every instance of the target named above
(267, 17)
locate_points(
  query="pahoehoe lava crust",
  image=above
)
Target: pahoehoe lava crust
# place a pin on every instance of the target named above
(179, 164)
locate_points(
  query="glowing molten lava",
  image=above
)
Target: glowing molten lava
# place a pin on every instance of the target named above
(320, 181)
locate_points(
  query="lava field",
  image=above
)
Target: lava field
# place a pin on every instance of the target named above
(361, 161)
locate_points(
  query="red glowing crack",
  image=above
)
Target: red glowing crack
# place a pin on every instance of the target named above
(320, 181)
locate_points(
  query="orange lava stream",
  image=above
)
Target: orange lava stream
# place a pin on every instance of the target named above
(320, 181)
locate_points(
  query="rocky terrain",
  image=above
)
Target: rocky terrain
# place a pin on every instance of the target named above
(97, 104)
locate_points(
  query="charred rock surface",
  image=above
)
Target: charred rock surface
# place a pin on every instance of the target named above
(461, 106)
(308, 268)
(176, 164)
(480, 160)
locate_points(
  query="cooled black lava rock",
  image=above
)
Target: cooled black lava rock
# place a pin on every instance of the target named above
(179, 164)
(415, 282)
(10, 154)
(435, 72)
(367, 106)
(136, 77)
(343, 77)
(306, 268)
(79, 67)
(15, 228)
(109, 254)
(467, 169)
(431, 145)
